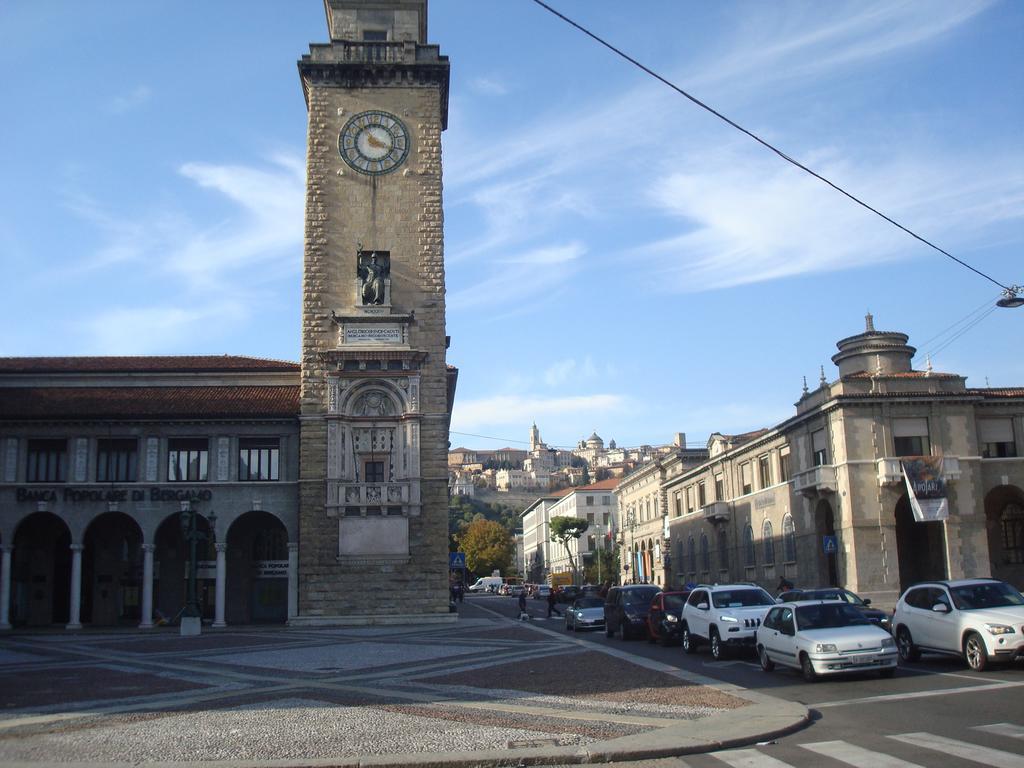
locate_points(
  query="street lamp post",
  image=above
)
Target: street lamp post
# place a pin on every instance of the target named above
(631, 522)
(191, 615)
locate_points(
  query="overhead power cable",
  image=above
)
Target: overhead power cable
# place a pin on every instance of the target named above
(1008, 289)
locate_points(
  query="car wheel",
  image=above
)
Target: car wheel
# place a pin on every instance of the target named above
(766, 664)
(887, 673)
(905, 645)
(625, 631)
(687, 640)
(808, 669)
(974, 652)
(718, 651)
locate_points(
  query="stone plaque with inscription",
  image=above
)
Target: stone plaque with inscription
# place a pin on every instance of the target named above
(373, 334)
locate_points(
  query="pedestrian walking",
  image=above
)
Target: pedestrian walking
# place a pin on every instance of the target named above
(553, 602)
(522, 606)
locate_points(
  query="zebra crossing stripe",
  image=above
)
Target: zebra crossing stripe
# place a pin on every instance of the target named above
(749, 758)
(996, 758)
(857, 756)
(1003, 729)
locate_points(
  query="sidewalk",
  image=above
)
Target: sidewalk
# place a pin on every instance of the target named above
(486, 691)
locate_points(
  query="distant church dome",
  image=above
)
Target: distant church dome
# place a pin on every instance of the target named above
(595, 441)
(611, 445)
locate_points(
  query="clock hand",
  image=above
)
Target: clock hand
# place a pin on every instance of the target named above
(375, 142)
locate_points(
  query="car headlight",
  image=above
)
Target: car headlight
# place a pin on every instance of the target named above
(728, 619)
(888, 642)
(1000, 629)
(671, 617)
(825, 648)
(579, 614)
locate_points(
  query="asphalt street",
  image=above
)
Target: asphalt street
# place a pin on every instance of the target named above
(935, 713)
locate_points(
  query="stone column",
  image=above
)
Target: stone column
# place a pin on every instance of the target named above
(218, 615)
(147, 586)
(5, 587)
(75, 619)
(293, 579)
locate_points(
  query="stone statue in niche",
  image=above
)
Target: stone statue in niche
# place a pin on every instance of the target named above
(374, 270)
(373, 403)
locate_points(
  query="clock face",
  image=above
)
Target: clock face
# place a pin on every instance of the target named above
(374, 143)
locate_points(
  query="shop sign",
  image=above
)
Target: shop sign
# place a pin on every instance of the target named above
(205, 569)
(106, 494)
(269, 569)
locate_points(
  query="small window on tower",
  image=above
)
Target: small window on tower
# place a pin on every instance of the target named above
(373, 471)
(375, 35)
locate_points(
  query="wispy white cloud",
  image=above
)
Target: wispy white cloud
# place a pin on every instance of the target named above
(523, 277)
(151, 329)
(570, 369)
(488, 86)
(748, 220)
(133, 99)
(513, 410)
(780, 46)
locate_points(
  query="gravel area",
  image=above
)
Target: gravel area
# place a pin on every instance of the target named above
(288, 728)
(593, 675)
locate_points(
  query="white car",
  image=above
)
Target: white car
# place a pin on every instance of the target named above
(724, 616)
(586, 613)
(824, 638)
(979, 619)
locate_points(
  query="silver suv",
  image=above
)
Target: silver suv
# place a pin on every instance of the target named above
(980, 619)
(724, 616)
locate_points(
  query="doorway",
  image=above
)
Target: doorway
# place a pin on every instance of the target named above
(920, 547)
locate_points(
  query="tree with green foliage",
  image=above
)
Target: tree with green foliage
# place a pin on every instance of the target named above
(488, 546)
(565, 529)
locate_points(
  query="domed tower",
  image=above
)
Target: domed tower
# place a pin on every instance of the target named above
(874, 351)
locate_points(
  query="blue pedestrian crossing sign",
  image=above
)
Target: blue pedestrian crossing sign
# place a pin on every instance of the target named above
(456, 559)
(829, 544)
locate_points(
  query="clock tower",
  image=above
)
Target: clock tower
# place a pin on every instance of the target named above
(376, 390)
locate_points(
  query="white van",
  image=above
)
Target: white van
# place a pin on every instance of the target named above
(487, 584)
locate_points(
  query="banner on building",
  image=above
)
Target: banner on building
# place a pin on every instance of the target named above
(926, 488)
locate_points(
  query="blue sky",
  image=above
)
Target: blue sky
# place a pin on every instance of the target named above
(617, 259)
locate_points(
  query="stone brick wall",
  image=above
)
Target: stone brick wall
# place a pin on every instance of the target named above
(400, 212)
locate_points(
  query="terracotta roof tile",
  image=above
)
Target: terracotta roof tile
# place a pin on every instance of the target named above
(601, 485)
(148, 402)
(143, 364)
(998, 392)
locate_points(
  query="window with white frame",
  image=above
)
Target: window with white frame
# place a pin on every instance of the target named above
(702, 496)
(784, 465)
(719, 488)
(188, 460)
(768, 543)
(997, 438)
(819, 448)
(749, 550)
(764, 471)
(47, 461)
(910, 437)
(746, 478)
(788, 539)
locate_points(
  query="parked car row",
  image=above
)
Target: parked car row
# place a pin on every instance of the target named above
(818, 632)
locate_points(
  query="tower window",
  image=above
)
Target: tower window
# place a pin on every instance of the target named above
(375, 35)
(373, 471)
